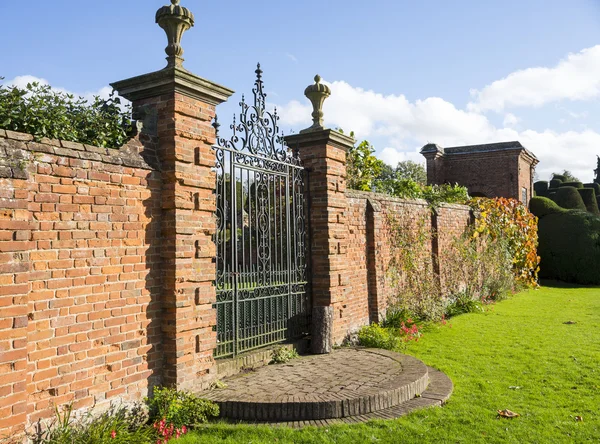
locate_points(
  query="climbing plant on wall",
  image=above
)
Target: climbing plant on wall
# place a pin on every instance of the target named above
(510, 220)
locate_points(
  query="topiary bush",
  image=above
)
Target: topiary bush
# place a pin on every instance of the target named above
(559, 177)
(569, 198)
(589, 199)
(541, 206)
(555, 183)
(571, 184)
(541, 188)
(43, 112)
(595, 186)
(569, 246)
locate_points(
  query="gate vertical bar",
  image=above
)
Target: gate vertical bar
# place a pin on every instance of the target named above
(233, 240)
(288, 246)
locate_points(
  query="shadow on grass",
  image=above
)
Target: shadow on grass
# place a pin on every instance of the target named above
(560, 284)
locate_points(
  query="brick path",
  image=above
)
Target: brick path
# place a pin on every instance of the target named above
(344, 384)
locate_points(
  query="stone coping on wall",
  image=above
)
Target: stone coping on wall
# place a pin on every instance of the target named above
(369, 195)
(14, 145)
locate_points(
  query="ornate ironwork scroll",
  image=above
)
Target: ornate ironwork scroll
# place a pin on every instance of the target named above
(261, 233)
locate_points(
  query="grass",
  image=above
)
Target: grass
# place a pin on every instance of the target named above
(521, 342)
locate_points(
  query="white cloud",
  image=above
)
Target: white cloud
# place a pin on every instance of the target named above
(292, 57)
(510, 120)
(576, 77)
(22, 81)
(403, 127)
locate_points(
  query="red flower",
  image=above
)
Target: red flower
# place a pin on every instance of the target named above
(113, 434)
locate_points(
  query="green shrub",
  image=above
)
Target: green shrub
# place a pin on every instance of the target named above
(43, 112)
(376, 336)
(180, 408)
(569, 198)
(462, 303)
(541, 188)
(437, 194)
(559, 177)
(396, 316)
(281, 355)
(589, 199)
(569, 245)
(117, 425)
(541, 206)
(594, 185)
(571, 184)
(555, 183)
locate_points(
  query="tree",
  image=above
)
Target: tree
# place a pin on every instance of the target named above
(408, 169)
(567, 175)
(362, 167)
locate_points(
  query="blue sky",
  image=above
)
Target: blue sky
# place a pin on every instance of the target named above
(403, 73)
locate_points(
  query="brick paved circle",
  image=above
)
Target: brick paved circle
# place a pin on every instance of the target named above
(347, 382)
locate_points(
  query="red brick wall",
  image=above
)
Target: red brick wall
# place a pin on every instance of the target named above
(370, 250)
(525, 178)
(452, 221)
(80, 277)
(493, 173)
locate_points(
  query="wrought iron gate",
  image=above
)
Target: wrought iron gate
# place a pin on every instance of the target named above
(261, 233)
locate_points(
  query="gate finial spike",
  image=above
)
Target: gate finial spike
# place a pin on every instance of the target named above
(317, 94)
(216, 126)
(258, 71)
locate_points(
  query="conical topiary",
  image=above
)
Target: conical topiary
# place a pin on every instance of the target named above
(589, 199)
(569, 198)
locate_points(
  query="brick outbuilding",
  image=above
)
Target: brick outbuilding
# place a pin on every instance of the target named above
(489, 170)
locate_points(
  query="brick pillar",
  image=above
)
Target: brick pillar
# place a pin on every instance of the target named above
(178, 108)
(323, 153)
(375, 262)
(434, 154)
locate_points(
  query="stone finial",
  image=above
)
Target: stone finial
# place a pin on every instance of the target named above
(317, 94)
(175, 20)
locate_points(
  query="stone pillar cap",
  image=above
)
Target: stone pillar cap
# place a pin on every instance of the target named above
(175, 20)
(317, 94)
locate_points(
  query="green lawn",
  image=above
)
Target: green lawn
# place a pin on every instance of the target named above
(522, 342)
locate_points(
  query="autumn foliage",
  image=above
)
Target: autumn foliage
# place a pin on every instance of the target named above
(510, 220)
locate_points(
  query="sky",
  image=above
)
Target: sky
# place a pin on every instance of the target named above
(402, 73)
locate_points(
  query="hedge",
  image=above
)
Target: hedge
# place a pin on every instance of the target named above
(559, 177)
(555, 183)
(542, 206)
(569, 246)
(588, 196)
(593, 185)
(569, 197)
(571, 184)
(541, 188)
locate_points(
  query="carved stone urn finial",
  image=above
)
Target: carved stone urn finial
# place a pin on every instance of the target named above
(175, 20)
(317, 94)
